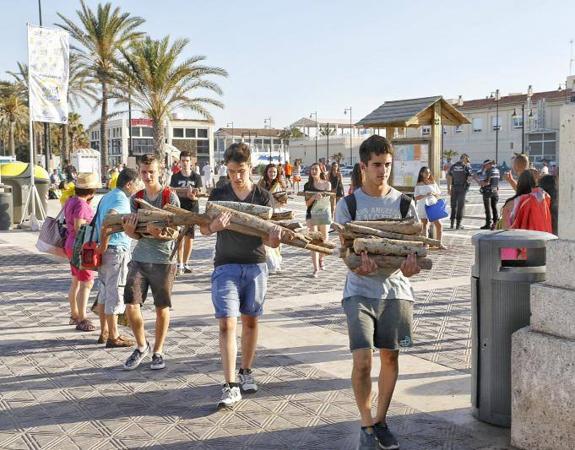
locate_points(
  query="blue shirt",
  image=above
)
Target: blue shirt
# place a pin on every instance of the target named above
(118, 201)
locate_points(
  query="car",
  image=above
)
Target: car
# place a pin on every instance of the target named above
(346, 170)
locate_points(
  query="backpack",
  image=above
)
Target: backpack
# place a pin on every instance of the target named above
(165, 196)
(351, 203)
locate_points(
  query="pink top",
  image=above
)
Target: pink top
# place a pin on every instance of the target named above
(75, 208)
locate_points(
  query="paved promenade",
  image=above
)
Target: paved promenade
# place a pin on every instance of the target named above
(60, 390)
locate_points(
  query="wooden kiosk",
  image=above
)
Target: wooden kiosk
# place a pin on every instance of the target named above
(413, 152)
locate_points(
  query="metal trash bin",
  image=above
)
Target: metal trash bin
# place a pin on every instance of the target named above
(17, 175)
(6, 208)
(500, 291)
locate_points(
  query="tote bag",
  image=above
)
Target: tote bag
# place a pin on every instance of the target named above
(321, 212)
(52, 236)
(436, 211)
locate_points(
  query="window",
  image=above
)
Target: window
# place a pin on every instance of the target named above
(477, 124)
(202, 132)
(143, 146)
(147, 132)
(277, 141)
(517, 121)
(542, 146)
(190, 132)
(178, 132)
(203, 146)
(496, 123)
(425, 130)
(136, 131)
(459, 129)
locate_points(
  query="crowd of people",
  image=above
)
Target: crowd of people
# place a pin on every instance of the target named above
(378, 306)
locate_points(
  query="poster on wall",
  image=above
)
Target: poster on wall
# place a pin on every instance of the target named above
(408, 159)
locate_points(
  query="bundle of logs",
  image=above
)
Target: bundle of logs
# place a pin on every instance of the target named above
(245, 218)
(387, 242)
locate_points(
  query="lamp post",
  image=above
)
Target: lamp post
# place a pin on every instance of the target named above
(316, 132)
(350, 134)
(514, 115)
(496, 98)
(47, 142)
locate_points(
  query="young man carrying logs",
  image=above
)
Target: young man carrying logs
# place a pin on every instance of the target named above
(151, 266)
(239, 280)
(186, 184)
(377, 303)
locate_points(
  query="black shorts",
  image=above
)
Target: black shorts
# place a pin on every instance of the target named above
(158, 277)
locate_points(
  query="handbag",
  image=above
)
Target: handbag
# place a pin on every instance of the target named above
(53, 236)
(436, 211)
(321, 212)
(84, 255)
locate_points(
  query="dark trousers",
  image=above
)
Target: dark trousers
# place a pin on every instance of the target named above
(457, 203)
(490, 204)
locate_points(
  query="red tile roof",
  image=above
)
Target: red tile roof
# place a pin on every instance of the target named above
(563, 95)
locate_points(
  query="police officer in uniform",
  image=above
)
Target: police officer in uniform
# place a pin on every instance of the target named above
(490, 191)
(457, 187)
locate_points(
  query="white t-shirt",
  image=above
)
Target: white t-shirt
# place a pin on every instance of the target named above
(223, 171)
(427, 190)
(544, 170)
(207, 170)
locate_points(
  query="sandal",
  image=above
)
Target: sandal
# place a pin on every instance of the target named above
(103, 338)
(73, 321)
(85, 325)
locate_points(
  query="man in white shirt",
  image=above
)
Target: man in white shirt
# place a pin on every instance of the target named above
(207, 175)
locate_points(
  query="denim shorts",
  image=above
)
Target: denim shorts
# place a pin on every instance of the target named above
(112, 275)
(379, 323)
(239, 289)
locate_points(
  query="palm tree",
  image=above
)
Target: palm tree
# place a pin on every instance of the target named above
(13, 112)
(76, 132)
(326, 131)
(161, 84)
(449, 154)
(338, 157)
(102, 34)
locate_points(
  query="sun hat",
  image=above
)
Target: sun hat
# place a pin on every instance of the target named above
(488, 161)
(88, 181)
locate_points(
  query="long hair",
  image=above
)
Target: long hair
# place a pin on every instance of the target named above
(356, 176)
(267, 180)
(331, 172)
(525, 184)
(420, 175)
(549, 184)
(310, 179)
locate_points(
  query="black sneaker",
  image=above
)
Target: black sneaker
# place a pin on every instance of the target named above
(157, 362)
(136, 358)
(459, 227)
(367, 440)
(486, 227)
(451, 227)
(387, 440)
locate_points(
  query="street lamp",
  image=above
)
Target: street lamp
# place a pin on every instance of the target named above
(496, 98)
(514, 115)
(350, 134)
(314, 114)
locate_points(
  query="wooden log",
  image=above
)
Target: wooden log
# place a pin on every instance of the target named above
(287, 237)
(145, 205)
(264, 212)
(382, 246)
(282, 215)
(183, 192)
(353, 261)
(362, 230)
(397, 226)
(312, 193)
(293, 225)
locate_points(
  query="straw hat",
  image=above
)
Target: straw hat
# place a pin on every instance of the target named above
(88, 181)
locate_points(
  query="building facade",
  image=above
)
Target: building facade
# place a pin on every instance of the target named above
(267, 144)
(193, 135)
(527, 122)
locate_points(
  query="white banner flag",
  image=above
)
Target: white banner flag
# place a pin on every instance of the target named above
(48, 65)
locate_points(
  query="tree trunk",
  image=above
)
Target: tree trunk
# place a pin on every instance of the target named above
(12, 140)
(353, 261)
(104, 130)
(395, 226)
(362, 232)
(159, 140)
(65, 144)
(263, 212)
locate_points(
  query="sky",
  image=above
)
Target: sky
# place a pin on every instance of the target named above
(288, 59)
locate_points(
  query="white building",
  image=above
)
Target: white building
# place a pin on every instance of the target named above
(498, 130)
(194, 135)
(267, 144)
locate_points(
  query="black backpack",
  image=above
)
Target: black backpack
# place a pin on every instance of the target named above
(351, 203)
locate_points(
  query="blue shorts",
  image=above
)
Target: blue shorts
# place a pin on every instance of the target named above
(239, 289)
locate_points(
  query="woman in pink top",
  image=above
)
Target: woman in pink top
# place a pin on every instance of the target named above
(77, 212)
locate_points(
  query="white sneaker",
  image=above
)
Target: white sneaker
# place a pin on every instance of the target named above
(230, 396)
(180, 270)
(247, 382)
